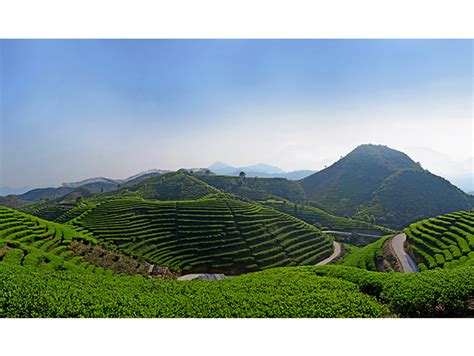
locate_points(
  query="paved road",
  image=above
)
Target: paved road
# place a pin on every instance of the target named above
(335, 254)
(408, 265)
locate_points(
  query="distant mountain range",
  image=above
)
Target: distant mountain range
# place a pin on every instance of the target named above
(85, 187)
(260, 170)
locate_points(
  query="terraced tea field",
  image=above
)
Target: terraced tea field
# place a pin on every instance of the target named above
(170, 186)
(367, 257)
(445, 241)
(41, 276)
(207, 235)
(35, 243)
(324, 220)
(58, 212)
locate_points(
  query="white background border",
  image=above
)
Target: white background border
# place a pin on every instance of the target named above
(236, 19)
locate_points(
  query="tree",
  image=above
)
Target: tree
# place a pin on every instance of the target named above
(79, 200)
(242, 175)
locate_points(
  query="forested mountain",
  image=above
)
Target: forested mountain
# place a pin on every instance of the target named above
(383, 185)
(254, 188)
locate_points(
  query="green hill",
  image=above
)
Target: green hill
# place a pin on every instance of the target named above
(36, 243)
(445, 241)
(411, 195)
(369, 257)
(324, 220)
(210, 235)
(48, 270)
(254, 188)
(170, 186)
(382, 185)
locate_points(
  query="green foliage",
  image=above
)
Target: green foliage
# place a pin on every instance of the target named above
(276, 293)
(322, 219)
(170, 186)
(435, 293)
(411, 195)
(443, 241)
(367, 257)
(323, 291)
(381, 185)
(208, 235)
(257, 188)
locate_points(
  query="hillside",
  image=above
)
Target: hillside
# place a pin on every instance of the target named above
(254, 188)
(42, 195)
(169, 186)
(49, 270)
(445, 241)
(296, 292)
(209, 235)
(35, 243)
(382, 185)
(324, 220)
(411, 195)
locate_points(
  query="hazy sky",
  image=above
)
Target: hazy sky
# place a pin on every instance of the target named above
(74, 109)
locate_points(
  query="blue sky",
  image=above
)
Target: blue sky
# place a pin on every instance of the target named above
(73, 109)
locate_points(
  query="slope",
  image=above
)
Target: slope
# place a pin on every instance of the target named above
(324, 220)
(169, 186)
(445, 241)
(208, 235)
(254, 188)
(39, 244)
(382, 185)
(411, 195)
(351, 181)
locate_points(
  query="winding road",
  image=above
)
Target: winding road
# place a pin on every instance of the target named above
(335, 254)
(218, 277)
(408, 265)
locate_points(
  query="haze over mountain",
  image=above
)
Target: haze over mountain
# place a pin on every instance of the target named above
(373, 183)
(261, 170)
(177, 103)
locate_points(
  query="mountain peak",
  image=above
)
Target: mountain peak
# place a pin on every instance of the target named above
(380, 155)
(219, 165)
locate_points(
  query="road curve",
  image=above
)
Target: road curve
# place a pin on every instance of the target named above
(408, 265)
(335, 254)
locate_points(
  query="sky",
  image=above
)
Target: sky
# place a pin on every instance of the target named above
(75, 109)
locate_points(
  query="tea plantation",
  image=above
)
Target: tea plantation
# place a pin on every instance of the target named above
(445, 241)
(209, 235)
(323, 219)
(40, 276)
(32, 242)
